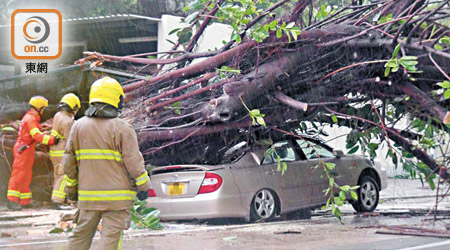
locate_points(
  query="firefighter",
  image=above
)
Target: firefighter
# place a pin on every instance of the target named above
(19, 193)
(105, 170)
(62, 123)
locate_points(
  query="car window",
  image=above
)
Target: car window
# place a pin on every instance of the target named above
(283, 149)
(234, 153)
(311, 149)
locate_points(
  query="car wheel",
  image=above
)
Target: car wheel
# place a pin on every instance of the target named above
(263, 206)
(368, 195)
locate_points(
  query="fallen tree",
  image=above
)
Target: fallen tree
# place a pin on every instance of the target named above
(369, 67)
(366, 67)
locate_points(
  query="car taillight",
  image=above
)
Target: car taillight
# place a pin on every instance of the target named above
(210, 183)
(151, 193)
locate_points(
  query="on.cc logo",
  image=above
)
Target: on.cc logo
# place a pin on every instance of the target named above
(36, 34)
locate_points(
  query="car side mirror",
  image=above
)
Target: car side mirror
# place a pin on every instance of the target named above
(338, 153)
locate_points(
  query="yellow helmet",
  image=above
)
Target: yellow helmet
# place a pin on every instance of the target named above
(106, 90)
(71, 100)
(38, 102)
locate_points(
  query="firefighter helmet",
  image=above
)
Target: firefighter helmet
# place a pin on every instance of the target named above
(106, 90)
(72, 101)
(38, 102)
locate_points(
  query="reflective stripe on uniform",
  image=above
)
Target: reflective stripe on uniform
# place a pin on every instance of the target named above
(143, 178)
(71, 182)
(106, 195)
(25, 195)
(56, 134)
(34, 131)
(13, 193)
(58, 194)
(119, 246)
(98, 154)
(57, 153)
(46, 139)
(63, 185)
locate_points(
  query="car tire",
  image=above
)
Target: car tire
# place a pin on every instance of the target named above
(264, 206)
(368, 195)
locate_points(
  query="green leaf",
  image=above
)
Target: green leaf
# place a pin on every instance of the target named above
(330, 165)
(437, 46)
(184, 35)
(392, 63)
(334, 118)
(238, 38)
(338, 201)
(287, 34)
(410, 68)
(172, 42)
(386, 72)
(255, 112)
(56, 230)
(444, 84)
(284, 167)
(338, 214)
(409, 58)
(408, 63)
(345, 188)
(279, 33)
(447, 94)
(354, 195)
(174, 30)
(342, 196)
(273, 24)
(424, 25)
(353, 150)
(431, 183)
(396, 50)
(294, 34)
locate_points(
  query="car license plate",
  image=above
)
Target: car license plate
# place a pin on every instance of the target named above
(176, 188)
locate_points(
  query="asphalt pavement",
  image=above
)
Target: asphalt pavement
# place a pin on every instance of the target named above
(404, 204)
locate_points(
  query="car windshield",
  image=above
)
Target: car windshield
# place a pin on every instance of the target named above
(281, 149)
(311, 149)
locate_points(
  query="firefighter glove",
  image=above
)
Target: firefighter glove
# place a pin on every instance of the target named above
(142, 195)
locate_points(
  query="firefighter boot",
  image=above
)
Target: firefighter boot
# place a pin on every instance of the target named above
(15, 206)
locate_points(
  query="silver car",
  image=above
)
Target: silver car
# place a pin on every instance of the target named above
(249, 184)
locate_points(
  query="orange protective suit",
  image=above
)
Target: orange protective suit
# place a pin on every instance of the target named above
(22, 170)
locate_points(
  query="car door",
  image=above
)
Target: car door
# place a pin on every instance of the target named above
(294, 183)
(315, 152)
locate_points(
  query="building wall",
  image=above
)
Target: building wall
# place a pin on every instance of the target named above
(211, 39)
